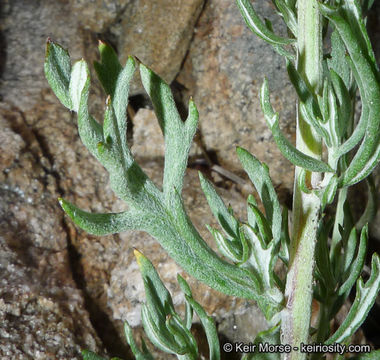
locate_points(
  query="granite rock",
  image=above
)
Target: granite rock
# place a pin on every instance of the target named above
(223, 71)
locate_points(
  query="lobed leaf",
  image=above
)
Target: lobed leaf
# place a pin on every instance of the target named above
(178, 135)
(259, 175)
(365, 297)
(368, 154)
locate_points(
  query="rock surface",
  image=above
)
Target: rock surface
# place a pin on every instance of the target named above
(42, 312)
(224, 71)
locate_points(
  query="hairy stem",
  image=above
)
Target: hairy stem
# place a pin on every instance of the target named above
(306, 207)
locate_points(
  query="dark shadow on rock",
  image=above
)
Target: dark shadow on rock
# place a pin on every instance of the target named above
(105, 329)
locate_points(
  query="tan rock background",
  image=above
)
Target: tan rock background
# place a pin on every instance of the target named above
(61, 289)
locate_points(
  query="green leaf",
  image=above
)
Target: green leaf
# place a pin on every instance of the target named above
(178, 135)
(103, 224)
(322, 257)
(357, 266)
(139, 355)
(361, 54)
(57, 71)
(290, 152)
(361, 126)
(262, 224)
(231, 249)
(108, 69)
(371, 207)
(158, 299)
(90, 131)
(345, 108)
(227, 221)
(120, 100)
(288, 15)
(162, 325)
(259, 175)
(258, 26)
(206, 321)
(365, 297)
(78, 79)
(338, 62)
(89, 355)
(263, 259)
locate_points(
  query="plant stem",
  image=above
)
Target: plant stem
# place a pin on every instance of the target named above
(306, 207)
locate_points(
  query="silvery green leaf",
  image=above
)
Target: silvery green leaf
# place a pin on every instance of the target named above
(285, 238)
(301, 182)
(227, 221)
(139, 355)
(259, 175)
(289, 151)
(187, 291)
(182, 336)
(280, 49)
(324, 267)
(368, 154)
(159, 335)
(206, 321)
(345, 109)
(57, 71)
(262, 224)
(162, 325)
(365, 297)
(349, 251)
(108, 69)
(90, 131)
(263, 257)
(158, 299)
(120, 100)
(361, 126)
(329, 192)
(127, 179)
(178, 134)
(250, 215)
(356, 267)
(231, 249)
(192, 253)
(288, 15)
(371, 207)
(103, 224)
(320, 128)
(353, 13)
(78, 78)
(258, 26)
(338, 62)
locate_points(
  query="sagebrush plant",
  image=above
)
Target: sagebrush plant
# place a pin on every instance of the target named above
(329, 59)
